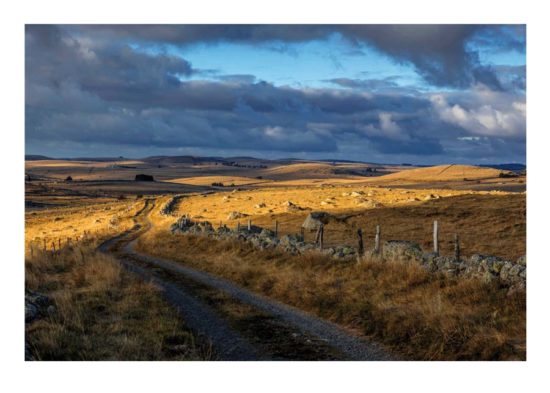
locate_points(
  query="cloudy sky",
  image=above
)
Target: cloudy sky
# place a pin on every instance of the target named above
(423, 94)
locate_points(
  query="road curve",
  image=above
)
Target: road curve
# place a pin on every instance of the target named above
(355, 348)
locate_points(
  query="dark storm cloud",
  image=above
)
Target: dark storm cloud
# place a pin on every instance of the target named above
(440, 53)
(53, 56)
(87, 85)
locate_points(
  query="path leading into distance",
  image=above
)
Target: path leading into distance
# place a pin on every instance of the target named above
(228, 343)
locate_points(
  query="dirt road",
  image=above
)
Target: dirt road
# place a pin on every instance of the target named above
(240, 325)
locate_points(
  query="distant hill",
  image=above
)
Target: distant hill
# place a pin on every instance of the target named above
(181, 159)
(35, 157)
(444, 173)
(507, 167)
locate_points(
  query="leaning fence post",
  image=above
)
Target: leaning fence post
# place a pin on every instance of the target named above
(436, 238)
(360, 248)
(457, 248)
(276, 228)
(377, 240)
(321, 233)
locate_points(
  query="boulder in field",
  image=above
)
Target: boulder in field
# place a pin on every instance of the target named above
(314, 220)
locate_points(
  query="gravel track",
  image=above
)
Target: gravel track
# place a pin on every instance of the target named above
(226, 341)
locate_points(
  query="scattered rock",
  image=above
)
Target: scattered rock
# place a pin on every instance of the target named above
(369, 203)
(236, 215)
(37, 306)
(260, 206)
(292, 207)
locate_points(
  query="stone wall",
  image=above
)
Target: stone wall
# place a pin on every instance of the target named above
(169, 206)
(487, 268)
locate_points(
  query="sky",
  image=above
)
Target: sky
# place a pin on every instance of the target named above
(421, 94)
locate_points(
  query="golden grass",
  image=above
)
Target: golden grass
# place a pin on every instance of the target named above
(102, 312)
(98, 220)
(443, 173)
(219, 205)
(418, 315)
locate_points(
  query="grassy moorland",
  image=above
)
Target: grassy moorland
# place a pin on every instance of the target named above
(101, 312)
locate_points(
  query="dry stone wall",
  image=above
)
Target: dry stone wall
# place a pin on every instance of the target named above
(487, 268)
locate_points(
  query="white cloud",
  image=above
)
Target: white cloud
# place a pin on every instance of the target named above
(488, 115)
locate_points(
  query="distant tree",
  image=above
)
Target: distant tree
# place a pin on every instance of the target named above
(68, 178)
(142, 177)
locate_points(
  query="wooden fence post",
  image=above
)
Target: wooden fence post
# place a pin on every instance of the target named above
(360, 248)
(321, 233)
(44, 244)
(238, 226)
(377, 240)
(457, 248)
(53, 246)
(276, 228)
(59, 243)
(249, 225)
(303, 234)
(436, 238)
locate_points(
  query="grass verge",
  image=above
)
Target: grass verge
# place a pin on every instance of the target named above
(103, 312)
